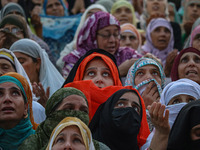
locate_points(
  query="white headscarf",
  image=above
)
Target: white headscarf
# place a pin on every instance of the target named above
(49, 75)
(181, 86)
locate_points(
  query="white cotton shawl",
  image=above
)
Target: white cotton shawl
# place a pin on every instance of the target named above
(49, 75)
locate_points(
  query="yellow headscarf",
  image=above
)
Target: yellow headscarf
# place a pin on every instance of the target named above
(124, 3)
(72, 121)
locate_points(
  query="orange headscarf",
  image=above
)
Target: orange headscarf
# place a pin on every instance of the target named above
(96, 96)
(113, 68)
(28, 92)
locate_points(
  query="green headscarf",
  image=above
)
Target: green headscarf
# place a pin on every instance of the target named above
(58, 97)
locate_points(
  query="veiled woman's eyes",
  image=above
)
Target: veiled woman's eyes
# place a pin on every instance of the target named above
(176, 101)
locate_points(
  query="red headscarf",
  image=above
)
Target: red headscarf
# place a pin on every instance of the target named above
(113, 69)
(174, 71)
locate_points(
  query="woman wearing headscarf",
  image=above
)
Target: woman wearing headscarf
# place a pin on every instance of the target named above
(109, 124)
(191, 14)
(67, 125)
(186, 65)
(162, 10)
(14, 8)
(15, 124)
(58, 27)
(10, 63)
(44, 72)
(146, 75)
(58, 108)
(184, 133)
(130, 37)
(124, 12)
(13, 28)
(101, 30)
(72, 45)
(174, 97)
(78, 71)
(159, 39)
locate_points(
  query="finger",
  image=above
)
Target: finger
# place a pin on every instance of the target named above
(166, 117)
(155, 111)
(41, 87)
(161, 113)
(148, 89)
(151, 109)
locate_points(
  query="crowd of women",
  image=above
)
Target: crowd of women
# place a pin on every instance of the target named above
(99, 74)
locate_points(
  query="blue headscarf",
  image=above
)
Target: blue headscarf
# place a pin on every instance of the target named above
(12, 138)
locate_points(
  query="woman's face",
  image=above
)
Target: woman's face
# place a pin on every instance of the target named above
(196, 41)
(182, 98)
(73, 102)
(124, 15)
(155, 6)
(15, 30)
(32, 68)
(54, 8)
(69, 138)
(160, 37)
(108, 38)
(147, 72)
(193, 11)
(5, 66)
(129, 99)
(128, 39)
(12, 106)
(189, 67)
(97, 71)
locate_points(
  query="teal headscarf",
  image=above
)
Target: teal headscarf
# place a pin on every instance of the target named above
(4, 79)
(130, 78)
(12, 138)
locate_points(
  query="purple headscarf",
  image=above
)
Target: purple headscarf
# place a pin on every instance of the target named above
(87, 40)
(149, 47)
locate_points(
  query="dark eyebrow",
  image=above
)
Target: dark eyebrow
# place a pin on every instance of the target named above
(12, 88)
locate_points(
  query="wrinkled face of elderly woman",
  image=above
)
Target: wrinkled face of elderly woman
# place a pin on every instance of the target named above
(189, 67)
(129, 39)
(160, 37)
(69, 138)
(108, 38)
(147, 72)
(12, 105)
